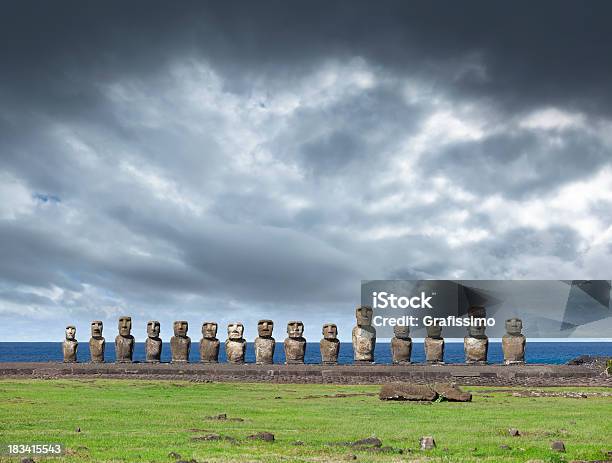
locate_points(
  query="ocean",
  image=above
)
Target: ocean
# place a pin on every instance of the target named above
(536, 352)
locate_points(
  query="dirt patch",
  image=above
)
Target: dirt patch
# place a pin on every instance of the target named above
(339, 396)
(223, 417)
(214, 437)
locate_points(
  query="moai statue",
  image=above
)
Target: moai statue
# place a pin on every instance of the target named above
(209, 344)
(124, 342)
(180, 343)
(295, 344)
(476, 345)
(401, 345)
(330, 344)
(97, 342)
(235, 345)
(434, 345)
(264, 343)
(364, 336)
(513, 343)
(70, 345)
(153, 344)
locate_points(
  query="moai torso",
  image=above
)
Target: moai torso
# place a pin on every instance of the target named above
(401, 345)
(153, 344)
(70, 345)
(513, 342)
(264, 343)
(329, 345)
(124, 342)
(295, 344)
(364, 336)
(476, 345)
(434, 345)
(180, 343)
(235, 345)
(209, 344)
(97, 343)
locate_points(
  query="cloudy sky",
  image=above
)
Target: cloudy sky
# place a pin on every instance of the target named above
(245, 160)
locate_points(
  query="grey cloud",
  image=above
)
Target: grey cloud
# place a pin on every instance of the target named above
(518, 164)
(226, 204)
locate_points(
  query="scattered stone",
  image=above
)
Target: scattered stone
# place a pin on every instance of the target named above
(174, 455)
(265, 436)
(404, 391)
(505, 447)
(27, 460)
(350, 456)
(581, 360)
(558, 446)
(298, 442)
(514, 432)
(368, 442)
(427, 443)
(452, 393)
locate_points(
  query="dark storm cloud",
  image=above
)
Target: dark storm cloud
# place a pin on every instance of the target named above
(548, 52)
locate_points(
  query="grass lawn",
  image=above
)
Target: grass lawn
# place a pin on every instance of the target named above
(143, 421)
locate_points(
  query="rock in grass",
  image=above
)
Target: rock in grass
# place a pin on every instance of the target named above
(558, 446)
(427, 443)
(403, 391)
(174, 455)
(368, 442)
(514, 432)
(264, 436)
(27, 460)
(505, 447)
(452, 393)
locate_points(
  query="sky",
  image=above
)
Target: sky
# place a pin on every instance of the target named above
(245, 160)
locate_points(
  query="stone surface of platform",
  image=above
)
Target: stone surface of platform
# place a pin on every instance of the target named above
(530, 374)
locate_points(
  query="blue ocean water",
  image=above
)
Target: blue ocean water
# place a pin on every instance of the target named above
(536, 352)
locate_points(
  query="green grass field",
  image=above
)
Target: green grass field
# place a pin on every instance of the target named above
(143, 421)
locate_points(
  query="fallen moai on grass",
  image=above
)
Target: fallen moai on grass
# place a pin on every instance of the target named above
(423, 392)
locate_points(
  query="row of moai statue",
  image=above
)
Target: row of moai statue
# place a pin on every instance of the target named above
(476, 344)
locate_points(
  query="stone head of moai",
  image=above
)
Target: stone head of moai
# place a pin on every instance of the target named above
(477, 311)
(330, 331)
(478, 332)
(295, 329)
(401, 332)
(96, 329)
(434, 331)
(364, 315)
(180, 328)
(125, 325)
(235, 331)
(70, 333)
(209, 330)
(153, 329)
(265, 328)
(514, 326)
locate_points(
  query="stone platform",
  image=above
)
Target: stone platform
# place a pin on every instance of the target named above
(530, 374)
